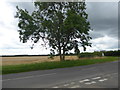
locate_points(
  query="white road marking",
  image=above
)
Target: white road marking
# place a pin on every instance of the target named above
(101, 80)
(72, 83)
(115, 73)
(93, 82)
(84, 80)
(55, 87)
(76, 86)
(96, 78)
(66, 84)
(111, 74)
(28, 77)
(88, 83)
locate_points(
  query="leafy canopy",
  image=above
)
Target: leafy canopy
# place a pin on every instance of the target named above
(63, 25)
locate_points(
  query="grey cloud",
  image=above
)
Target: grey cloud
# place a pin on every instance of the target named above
(29, 6)
(103, 18)
(113, 46)
(119, 23)
(96, 35)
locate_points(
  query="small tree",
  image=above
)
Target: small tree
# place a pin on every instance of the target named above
(63, 25)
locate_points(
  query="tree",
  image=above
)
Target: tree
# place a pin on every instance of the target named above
(63, 25)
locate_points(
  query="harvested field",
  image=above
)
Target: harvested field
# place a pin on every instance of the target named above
(31, 59)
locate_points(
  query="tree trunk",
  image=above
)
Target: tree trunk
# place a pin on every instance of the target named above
(60, 54)
(63, 57)
(60, 57)
(63, 53)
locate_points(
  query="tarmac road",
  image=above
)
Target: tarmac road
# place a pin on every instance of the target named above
(103, 75)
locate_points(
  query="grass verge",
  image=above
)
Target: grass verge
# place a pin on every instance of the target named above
(52, 65)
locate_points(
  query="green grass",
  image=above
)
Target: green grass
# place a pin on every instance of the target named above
(52, 65)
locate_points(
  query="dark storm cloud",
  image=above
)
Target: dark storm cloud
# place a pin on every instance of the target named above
(103, 17)
(119, 25)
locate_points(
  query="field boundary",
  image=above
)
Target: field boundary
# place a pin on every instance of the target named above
(7, 69)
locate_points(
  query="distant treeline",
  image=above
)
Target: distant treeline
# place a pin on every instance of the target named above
(112, 53)
(21, 55)
(99, 53)
(84, 54)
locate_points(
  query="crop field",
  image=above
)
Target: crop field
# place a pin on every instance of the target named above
(7, 69)
(31, 59)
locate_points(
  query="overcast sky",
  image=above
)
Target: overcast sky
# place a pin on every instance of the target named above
(103, 17)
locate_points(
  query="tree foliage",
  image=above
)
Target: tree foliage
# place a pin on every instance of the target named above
(112, 53)
(63, 25)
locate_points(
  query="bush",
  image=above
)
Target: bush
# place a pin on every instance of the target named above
(88, 55)
(97, 54)
(112, 53)
(81, 55)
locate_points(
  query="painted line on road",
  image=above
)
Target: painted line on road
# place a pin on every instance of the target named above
(76, 86)
(96, 78)
(29, 77)
(72, 83)
(101, 80)
(93, 82)
(66, 85)
(88, 83)
(111, 74)
(55, 87)
(84, 80)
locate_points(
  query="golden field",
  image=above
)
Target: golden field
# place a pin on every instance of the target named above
(31, 59)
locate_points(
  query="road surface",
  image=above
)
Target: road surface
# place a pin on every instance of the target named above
(103, 75)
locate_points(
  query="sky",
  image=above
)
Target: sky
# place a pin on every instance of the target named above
(103, 17)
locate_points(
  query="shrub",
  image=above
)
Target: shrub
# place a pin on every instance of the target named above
(97, 54)
(112, 53)
(81, 55)
(88, 55)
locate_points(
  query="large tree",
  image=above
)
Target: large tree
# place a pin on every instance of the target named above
(63, 25)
